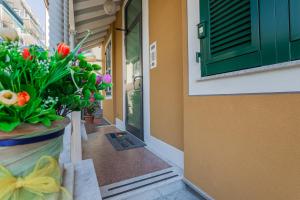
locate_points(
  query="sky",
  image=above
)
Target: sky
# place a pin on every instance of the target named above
(39, 10)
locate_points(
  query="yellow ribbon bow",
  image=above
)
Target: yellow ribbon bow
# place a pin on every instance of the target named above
(45, 179)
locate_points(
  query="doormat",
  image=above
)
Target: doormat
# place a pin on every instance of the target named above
(123, 141)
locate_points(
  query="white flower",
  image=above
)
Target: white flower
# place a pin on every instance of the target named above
(8, 97)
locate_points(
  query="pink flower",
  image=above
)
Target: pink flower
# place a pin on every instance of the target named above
(107, 78)
(92, 99)
(98, 79)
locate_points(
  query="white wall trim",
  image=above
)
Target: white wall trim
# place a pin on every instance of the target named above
(146, 72)
(166, 152)
(197, 189)
(120, 124)
(274, 80)
(124, 63)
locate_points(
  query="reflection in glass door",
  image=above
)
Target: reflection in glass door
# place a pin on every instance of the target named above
(134, 69)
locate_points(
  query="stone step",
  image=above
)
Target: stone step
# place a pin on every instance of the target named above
(141, 185)
(86, 185)
(176, 190)
(81, 181)
(68, 178)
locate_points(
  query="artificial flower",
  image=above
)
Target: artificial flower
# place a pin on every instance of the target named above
(98, 79)
(23, 98)
(63, 50)
(92, 99)
(26, 54)
(107, 78)
(8, 97)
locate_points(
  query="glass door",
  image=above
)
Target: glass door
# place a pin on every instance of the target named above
(134, 68)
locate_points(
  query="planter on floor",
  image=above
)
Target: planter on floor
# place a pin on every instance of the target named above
(89, 119)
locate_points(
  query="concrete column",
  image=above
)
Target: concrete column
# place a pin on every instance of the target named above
(72, 39)
(76, 146)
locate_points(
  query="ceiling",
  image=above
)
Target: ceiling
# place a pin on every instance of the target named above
(90, 15)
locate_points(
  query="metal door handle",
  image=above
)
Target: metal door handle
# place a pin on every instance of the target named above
(134, 80)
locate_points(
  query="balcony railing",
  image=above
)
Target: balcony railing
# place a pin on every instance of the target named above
(11, 11)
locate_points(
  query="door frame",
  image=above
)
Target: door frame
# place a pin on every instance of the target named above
(146, 69)
(138, 132)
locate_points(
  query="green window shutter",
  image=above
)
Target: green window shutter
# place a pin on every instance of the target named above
(231, 40)
(295, 29)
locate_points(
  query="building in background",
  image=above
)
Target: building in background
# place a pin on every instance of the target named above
(17, 14)
(9, 18)
(57, 22)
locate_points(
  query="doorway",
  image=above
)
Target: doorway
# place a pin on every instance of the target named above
(134, 68)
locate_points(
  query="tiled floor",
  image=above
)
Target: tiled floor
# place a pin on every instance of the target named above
(113, 166)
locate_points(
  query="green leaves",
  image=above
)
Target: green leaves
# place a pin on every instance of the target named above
(98, 96)
(56, 85)
(87, 94)
(9, 126)
(96, 67)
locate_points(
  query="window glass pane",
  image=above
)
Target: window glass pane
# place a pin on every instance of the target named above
(133, 10)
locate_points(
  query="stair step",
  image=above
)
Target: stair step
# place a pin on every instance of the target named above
(65, 156)
(86, 185)
(68, 181)
(141, 184)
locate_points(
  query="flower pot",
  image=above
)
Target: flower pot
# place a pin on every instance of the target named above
(89, 119)
(27, 145)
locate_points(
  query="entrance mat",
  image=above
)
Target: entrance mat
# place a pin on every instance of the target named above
(123, 141)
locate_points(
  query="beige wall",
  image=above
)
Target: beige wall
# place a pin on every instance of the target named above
(118, 83)
(166, 99)
(243, 147)
(113, 108)
(108, 104)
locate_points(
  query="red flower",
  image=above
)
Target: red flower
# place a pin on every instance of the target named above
(23, 98)
(26, 54)
(63, 49)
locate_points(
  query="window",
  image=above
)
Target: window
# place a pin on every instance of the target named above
(108, 65)
(242, 34)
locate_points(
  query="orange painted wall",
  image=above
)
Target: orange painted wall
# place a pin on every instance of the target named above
(113, 108)
(242, 147)
(108, 104)
(166, 91)
(118, 83)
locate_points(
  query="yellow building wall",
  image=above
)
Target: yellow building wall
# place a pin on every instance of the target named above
(118, 83)
(113, 108)
(108, 104)
(241, 147)
(166, 91)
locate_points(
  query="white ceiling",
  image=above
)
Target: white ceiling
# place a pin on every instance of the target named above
(90, 15)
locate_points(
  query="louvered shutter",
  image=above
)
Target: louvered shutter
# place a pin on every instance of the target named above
(295, 29)
(231, 41)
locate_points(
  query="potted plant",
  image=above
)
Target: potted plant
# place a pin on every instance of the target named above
(89, 113)
(37, 91)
